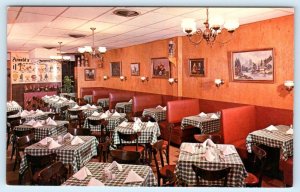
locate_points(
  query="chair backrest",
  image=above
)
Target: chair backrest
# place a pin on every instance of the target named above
(25, 140)
(102, 123)
(79, 131)
(211, 175)
(19, 133)
(157, 148)
(170, 180)
(37, 163)
(125, 157)
(63, 111)
(129, 137)
(8, 113)
(147, 118)
(259, 162)
(216, 138)
(74, 112)
(54, 174)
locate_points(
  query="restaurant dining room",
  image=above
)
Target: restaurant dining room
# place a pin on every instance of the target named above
(150, 96)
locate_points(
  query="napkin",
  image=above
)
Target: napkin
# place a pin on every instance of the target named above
(50, 121)
(123, 124)
(164, 108)
(14, 103)
(209, 156)
(37, 124)
(83, 107)
(214, 116)
(76, 140)
(138, 120)
(116, 114)
(53, 144)
(136, 126)
(188, 148)
(82, 173)
(149, 124)
(107, 112)
(25, 113)
(130, 101)
(95, 182)
(95, 113)
(88, 105)
(227, 150)
(32, 112)
(39, 112)
(59, 102)
(68, 135)
(290, 131)
(93, 107)
(208, 142)
(31, 122)
(71, 101)
(202, 114)
(103, 116)
(75, 106)
(133, 177)
(115, 164)
(271, 128)
(8, 104)
(159, 107)
(45, 140)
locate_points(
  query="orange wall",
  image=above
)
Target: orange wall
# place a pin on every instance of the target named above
(275, 33)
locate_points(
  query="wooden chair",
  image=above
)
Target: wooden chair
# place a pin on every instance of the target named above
(10, 125)
(211, 175)
(125, 157)
(76, 117)
(14, 112)
(259, 161)
(147, 118)
(166, 144)
(157, 150)
(80, 101)
(78, 131)
(55, 174)
(171, 179)
(200, 138)
(21, 143)
(63, 112)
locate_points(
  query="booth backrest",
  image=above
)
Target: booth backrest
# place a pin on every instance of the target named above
(116, 97)
(178, 109)
(141, 102)
(88, 90)
(101, 93)
(237, 123)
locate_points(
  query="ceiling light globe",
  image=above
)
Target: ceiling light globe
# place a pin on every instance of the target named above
(189, 26)
(102, 49)
(88, 49)
(231, 25)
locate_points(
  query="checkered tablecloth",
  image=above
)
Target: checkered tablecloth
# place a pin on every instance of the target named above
(103, 102)
(57, 105)
(148, 134)
(88, 98)
(68, 154)
(277, 139)
(124, 106)
(97, 170)
(19, 108)
(112, 122)
(88, 111)
(206, 124)
(34, 116)
(45, 130)
(157, 114)
(185, 173)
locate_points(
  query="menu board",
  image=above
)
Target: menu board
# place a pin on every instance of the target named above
(24, 70)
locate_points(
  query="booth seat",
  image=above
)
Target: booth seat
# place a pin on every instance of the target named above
(102, 93)
(176, 110)
(287, 168)
(88, 90)
(141, 102)
(237, 123)
(116, 97)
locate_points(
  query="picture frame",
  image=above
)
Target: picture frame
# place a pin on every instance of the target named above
(90, 74)
(135, 69)
(115, 69)
(255, 66)
(197, 67)
(160, 68)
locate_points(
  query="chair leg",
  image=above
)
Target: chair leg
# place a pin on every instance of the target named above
(15, 164)
(8, 139)
(13, 148)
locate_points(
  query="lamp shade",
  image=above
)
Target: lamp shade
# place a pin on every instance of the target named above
(102, 49)
(231, 24)
(189, 25)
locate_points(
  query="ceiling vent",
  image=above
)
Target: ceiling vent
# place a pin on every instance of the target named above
(126, 13)
(76, 36)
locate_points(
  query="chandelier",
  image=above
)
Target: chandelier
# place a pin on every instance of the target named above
(212, 28)
(60, 57)
(92, 50)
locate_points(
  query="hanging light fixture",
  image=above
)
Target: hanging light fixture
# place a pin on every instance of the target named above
(60, 57)
(99, 54)
(212, 28)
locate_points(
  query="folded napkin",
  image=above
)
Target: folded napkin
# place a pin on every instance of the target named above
(63, 98)
(227, 150)
(95, 182)
(209, 156)
(59, 102)
(116, 114)
(31, 122)
(14, 103)
(123, 124)
(25, 113)
(46, 96)
(164, 108)
(32, 112)
(136, 126)
(82, 173)
(68, 135)
(83, 107)
(159, 107)
(150, 124)
(93, 107)
(208, 142)
(115, 164)
(203, 114)
(138, 120)
(107, 112)
(71, 101)
(95, 114)
(88, 105)
(39, 112)
(76, 140)
(271, 128)
(50, 121)
(290, 131)
(53, 144)
(45, 140)
(130, 101)
(8, 104)
(103, 116)
(214, 116)
(37, 124)
(133, 177)
(188, 148)
(75, 106)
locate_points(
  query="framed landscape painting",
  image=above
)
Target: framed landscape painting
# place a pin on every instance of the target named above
(252, 66)
(160, 68)
(115, 69)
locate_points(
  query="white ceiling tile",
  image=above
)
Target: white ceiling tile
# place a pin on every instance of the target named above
(85, 12)
(109, 17)
(45, 10)
(176, 11)
(100, 26)
(66, 23)
(11, 16)
(13, 8)
(119, 29)
(148, 19)
(173, 22)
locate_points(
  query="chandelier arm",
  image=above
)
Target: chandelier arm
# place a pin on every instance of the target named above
(227, 40)
(197, 33)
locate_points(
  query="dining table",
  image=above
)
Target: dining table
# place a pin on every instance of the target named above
(124, 107)
(33, 115)
(103, 102)
(88, 111)
(159, 114)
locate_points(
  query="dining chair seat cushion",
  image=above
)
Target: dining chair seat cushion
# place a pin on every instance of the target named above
(163, 170)
(251, 180)
(133, 148)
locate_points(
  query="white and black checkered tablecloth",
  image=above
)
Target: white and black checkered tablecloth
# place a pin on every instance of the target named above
(19, 108)
(185, 173)
(45, 130)
(88, 98)
(206, 124)
(148, 134)
(57, 105)
(97, 170)
(112, 122)
(124, 106)
(157, 114)
(277, 139)
(103, 102)
(68, 154)
(34, 116)
(88, 111)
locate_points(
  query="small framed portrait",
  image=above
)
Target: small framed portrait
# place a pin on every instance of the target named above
(115, 69)
(160, 68)
(197, 67)
(135, 69)
(90, 74)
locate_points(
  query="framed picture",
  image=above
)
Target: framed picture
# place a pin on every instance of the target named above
(90, 74)
(252, 66)
(197, 67)
(135, 69)
(115, 69)
(160, 68)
